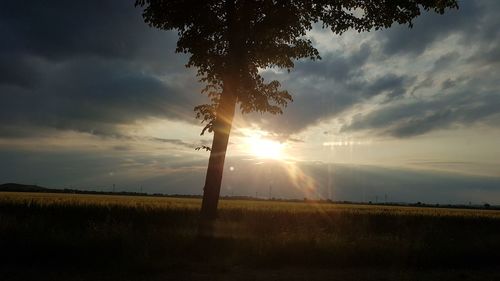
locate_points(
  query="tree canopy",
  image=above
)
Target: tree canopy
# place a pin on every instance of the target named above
(241, 37)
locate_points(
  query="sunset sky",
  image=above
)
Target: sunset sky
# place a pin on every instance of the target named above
(91, 96)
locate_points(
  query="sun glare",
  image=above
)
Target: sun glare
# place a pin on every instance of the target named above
(264, 148)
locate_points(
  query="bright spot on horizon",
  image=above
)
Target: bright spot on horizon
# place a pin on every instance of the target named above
(262, 147)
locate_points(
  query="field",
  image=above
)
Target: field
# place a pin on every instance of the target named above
(96, 237)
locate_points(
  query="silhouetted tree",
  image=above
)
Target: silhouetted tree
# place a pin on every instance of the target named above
(230, 40)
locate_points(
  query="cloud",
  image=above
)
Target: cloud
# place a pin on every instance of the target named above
(95, 66)
(328, 88)
(18, 71)
(89, 66)
(419, 116)
(430, 28)
(59, 30)
(334, 65)
(441, 74)
(94, 96)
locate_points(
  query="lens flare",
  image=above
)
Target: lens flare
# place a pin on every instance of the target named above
(258, 145)
(265, 148)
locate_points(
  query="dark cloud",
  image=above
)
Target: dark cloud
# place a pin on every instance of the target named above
(335, 66)
(430, 28)
(88, 66)
(19, 70)
(426, 83)
(58, 29)
(420, 116)
(448, 83)
(95, 96)
(489, 55)
(395, 86)
(445, 61)
(326, 89)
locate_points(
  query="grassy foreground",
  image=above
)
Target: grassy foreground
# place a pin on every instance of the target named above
(96, 237)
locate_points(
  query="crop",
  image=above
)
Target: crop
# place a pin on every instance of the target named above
(159, 233)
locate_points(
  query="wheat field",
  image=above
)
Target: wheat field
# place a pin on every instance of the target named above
(104, 234)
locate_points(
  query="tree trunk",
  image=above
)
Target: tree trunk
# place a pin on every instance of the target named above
(222, 129)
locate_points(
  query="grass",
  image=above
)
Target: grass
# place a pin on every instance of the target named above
(93, 237)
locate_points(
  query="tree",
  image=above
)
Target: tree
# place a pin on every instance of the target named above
(230, 40)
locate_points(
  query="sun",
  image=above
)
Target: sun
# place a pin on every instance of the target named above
(261, 147)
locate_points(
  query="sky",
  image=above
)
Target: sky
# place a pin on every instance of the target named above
(91, 96)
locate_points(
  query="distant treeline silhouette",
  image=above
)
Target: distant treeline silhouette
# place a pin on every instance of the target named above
(16, 187)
